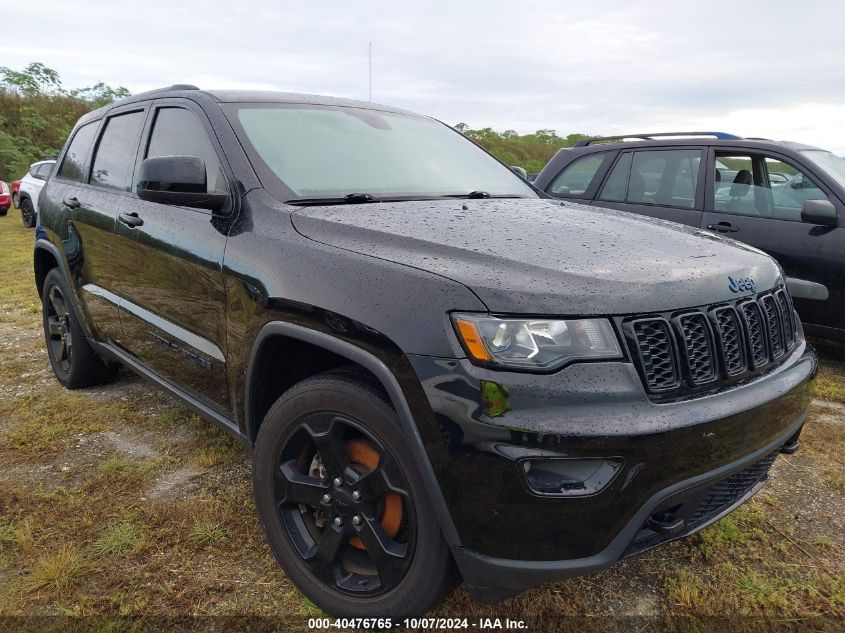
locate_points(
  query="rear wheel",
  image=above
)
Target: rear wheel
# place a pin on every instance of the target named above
(74, 362)
(343, 508)
(27, 213)
(3, 211)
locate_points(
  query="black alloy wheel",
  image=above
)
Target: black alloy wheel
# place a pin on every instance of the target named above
(59, 333)
(343, 501)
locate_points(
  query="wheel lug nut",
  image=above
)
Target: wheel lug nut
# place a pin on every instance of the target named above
(338, 521)
(338, 482)
(356, 520)
(327, 498)
(356, 495)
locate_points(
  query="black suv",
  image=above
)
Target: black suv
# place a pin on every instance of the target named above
(786, 199)
(440, 374)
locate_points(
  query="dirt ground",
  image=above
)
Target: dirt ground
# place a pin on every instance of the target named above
(120, 507)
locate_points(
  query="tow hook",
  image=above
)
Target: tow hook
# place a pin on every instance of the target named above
(665, 522)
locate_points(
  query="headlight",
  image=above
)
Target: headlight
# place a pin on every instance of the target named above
(540, 344)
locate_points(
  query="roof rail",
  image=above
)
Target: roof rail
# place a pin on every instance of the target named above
(724, 136)
(167, 89)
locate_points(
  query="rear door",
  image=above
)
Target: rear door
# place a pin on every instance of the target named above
(662, 183)
(170, 266)
(91, 185)
(766, 213)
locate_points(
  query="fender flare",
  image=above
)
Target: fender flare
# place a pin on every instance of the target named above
(408, 426)
(44, 244)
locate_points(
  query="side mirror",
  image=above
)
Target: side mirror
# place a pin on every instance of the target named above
(519, 171)
(819, 212)
(178, 180)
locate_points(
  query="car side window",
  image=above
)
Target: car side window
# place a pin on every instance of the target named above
(178, 132)
(576, 177)
(660, 177)
(762, 186)
(75, 163)
(44, 171)
(115, 155)
(616, 187)
(664, 177)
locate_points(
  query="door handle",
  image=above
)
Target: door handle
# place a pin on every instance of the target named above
(130, 219)
(71, 203)
(723, 227)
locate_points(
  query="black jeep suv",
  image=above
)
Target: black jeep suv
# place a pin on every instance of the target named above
(440, 374)
(786, 199)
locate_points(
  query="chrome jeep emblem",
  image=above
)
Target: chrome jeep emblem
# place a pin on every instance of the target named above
(741, 284)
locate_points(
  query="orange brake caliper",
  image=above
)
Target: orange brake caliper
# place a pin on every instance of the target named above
(365, 455)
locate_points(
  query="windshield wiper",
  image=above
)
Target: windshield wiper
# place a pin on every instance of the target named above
(351, 198)
(482, 194)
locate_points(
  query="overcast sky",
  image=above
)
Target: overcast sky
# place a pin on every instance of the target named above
(756, 68)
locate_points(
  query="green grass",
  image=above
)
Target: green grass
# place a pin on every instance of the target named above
(117, 539)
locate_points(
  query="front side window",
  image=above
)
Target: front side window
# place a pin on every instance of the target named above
(178, 132)
(74, 165)
(115, 156)
(762, 186)
(44, 170)
(576, 177)
(313, 151)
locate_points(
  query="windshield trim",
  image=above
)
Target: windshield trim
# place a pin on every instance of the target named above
(277, 188)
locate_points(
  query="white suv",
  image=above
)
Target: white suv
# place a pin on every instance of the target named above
(31, 185)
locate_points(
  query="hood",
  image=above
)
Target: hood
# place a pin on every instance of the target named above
(535, 256)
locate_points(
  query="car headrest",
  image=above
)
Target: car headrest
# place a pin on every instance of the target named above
(739, 188)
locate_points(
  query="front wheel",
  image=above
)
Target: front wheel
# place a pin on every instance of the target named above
(343, 508)
(27, 213)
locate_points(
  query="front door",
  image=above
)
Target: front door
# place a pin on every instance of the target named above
(172, 293)
(756, 197)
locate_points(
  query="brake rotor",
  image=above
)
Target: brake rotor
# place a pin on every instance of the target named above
(363, 454)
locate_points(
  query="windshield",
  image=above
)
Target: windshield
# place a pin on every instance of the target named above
(830, 163)
(311, 151)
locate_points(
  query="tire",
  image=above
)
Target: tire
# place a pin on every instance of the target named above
(27, 213)
(74, 362)
(3, 212)
(16, 201)
(324, 426)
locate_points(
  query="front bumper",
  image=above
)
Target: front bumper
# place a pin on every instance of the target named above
(672, 454)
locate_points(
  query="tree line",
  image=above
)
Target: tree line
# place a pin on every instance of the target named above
(37, 113)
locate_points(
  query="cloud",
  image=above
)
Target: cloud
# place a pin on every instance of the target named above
(758, 68)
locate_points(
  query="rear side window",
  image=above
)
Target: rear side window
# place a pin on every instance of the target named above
(75, 165)
(178, 132)
(616, 187)
(576, 177)
(662, 177)
(115, 157)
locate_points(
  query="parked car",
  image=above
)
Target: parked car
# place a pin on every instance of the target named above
(440, 373)
(30, 188)
(730, 185)
(5, 198)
